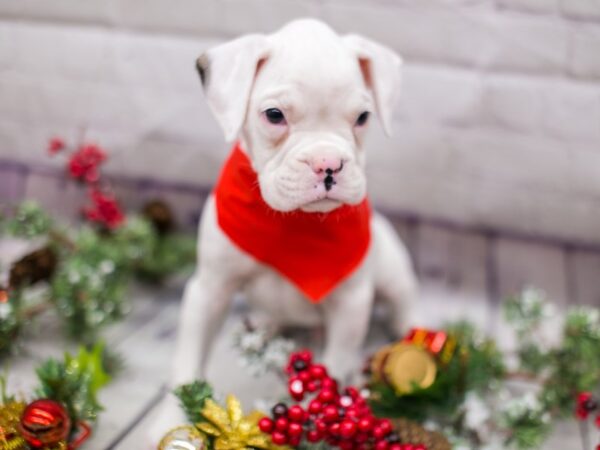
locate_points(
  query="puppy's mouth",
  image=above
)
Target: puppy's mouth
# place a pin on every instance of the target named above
(324, 204)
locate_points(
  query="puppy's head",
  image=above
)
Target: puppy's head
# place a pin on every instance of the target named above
(302, 99)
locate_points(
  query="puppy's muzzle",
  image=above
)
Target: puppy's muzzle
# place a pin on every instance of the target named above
(326, 168)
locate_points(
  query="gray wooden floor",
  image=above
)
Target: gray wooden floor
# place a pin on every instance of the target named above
(146, 341)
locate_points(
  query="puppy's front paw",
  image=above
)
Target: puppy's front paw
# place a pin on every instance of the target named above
(168, 416)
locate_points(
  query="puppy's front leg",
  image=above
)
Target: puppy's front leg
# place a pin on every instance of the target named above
(347, 316)
(206, 300)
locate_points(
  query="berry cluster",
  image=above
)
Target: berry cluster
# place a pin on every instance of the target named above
(586, 405)
(341, 418)
(83, 165)
(85, 162)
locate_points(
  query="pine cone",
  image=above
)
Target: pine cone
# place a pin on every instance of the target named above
(160, 215)
(413, 433)
(33, 267)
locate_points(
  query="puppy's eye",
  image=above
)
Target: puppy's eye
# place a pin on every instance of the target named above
(362, 118)
(275, 116)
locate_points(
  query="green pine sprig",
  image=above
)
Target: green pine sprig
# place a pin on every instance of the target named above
(192, 397)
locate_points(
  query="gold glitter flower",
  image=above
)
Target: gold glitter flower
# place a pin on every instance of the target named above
(233, 431)
(10, 415)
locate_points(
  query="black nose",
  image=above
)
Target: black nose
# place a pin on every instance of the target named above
(329, 181)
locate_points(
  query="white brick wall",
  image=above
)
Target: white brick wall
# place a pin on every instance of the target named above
(499, 122)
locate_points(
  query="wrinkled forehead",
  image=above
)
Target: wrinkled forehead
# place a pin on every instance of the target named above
(316, 63)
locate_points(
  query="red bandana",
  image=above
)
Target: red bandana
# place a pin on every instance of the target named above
(315, 251)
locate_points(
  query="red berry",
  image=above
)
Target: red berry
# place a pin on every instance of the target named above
(332, 440)
(407, 447)
(597, 421)
(397, 447)
(381, 445)
(55, 145)
(305, 355)
(311, 386)
(279, 438)
(304, 376)
(334, 428)
(345, 401)
(326, 396)
(352, 392)
(347, 429)
(294, 429)
(352, 413)
(365, 424)
(321, 426)
(329, 383)
(295, 441)
(266, 425)
(330, 413)
(361, 437)
(315, 407)
(420, 447)
(386, 426)
(279, 410)
(378, 433)
(318, 371)
(296, 388)
(346, 445)
(281, 424)
(296, 413)
(313, 436)
(581, 413)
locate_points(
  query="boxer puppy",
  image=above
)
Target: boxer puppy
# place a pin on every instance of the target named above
(299, 102)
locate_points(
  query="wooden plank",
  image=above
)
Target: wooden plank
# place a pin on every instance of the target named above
(586, 273)
(63, 197)
(521, 265)
(452, 275)
(12, 182)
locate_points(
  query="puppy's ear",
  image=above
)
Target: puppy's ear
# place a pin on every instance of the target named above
(381, 70)
(227, 73)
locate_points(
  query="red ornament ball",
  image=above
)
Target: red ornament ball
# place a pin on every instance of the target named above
(44, 423)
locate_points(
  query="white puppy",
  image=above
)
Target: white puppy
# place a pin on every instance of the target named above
(299, 100)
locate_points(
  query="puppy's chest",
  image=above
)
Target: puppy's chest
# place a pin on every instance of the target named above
(283, 303)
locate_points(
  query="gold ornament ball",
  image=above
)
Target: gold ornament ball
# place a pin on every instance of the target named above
(404, 366)
(186, 437)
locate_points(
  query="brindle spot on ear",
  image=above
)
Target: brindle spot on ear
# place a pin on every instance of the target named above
(202, 67)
